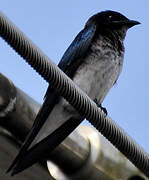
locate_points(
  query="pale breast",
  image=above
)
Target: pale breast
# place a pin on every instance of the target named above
(100, 70)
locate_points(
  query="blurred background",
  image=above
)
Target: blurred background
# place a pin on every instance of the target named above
(52, 25)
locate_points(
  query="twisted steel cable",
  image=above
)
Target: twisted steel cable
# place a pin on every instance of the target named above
(74, 95)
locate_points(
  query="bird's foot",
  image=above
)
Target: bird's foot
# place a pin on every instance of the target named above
(101, 107)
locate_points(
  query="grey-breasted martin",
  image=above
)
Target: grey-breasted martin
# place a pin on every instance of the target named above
(94, 61)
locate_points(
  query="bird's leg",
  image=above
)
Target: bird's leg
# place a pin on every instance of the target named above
(101, 107)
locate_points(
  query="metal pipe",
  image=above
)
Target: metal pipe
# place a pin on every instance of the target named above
(104, 161)
(17, 109)
(84, 154)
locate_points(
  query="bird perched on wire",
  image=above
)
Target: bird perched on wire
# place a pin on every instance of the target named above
(94, 61)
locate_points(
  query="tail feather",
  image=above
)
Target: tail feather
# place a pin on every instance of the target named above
(41, 117)
(43, 148)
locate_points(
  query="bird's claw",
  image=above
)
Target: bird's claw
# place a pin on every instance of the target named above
(101, 107)
(104, 109)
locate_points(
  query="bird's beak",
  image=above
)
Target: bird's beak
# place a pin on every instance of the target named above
(131, 23)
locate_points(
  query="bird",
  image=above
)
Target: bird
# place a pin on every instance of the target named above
(94, 62)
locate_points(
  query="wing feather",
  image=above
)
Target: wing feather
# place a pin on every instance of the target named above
(69, 64)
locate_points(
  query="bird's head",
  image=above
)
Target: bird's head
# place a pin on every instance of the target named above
(112, 20)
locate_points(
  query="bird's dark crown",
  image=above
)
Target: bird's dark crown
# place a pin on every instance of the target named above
(111, 18)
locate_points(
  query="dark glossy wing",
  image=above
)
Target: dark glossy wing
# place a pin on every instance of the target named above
(77, 50)
(69, 64)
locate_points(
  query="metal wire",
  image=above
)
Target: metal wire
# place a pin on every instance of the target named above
(74, 95)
